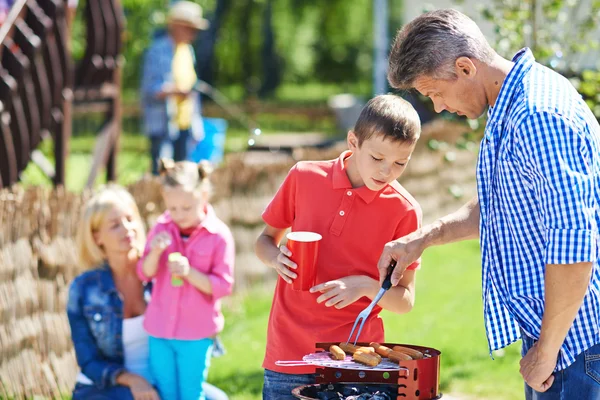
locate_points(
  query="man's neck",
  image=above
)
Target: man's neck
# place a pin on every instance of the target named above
(494, 77)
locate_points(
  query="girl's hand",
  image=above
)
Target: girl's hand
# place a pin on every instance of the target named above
(160, 242)
(179, 266)
(284, 266)
(344, 291)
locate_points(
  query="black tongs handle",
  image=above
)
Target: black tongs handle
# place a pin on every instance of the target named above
(387, 283)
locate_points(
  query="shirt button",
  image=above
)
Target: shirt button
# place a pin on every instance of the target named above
(97, 317)
(349, 193)
(342, 213)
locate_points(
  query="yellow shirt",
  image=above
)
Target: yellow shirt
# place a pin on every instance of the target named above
(184, 77)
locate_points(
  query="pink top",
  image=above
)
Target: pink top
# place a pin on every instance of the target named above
(185, 312)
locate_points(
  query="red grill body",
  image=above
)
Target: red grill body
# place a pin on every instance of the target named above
(416, 380)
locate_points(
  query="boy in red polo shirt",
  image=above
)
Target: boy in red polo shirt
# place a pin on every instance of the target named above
(357, 206)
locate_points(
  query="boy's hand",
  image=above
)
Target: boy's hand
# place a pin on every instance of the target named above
(282, 264)
(160, 242)
(345, 291)
(180, 266)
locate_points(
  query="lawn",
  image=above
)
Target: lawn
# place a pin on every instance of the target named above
(133, 159)
(447, 316)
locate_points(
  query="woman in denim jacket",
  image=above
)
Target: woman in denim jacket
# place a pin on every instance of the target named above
(106, 305)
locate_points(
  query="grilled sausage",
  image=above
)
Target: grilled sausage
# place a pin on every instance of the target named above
(397, 356)
(337, 353)
(415, 354)
(365, 358)
(369, 350)
(348, 348)
(380, 349)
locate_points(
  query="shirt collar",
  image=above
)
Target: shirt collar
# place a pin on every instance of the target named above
(210, 222)
(341, 180)
(523, 62)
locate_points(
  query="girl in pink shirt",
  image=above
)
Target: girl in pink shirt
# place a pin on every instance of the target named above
(190, 255)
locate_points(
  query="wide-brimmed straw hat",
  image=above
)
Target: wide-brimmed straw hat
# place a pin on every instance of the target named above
(187, 13)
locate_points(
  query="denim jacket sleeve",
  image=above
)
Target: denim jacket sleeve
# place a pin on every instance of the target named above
(93, 365)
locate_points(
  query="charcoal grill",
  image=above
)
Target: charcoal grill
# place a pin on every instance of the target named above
(415, 379)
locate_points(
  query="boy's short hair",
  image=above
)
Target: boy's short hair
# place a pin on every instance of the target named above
(390, 116)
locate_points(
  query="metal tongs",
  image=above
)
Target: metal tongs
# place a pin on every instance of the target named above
(364, 314)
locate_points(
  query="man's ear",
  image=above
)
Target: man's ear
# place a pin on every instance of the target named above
(465, 67)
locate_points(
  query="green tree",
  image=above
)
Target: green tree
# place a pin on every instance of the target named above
(556, 31)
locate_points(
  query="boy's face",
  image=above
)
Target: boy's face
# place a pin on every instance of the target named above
(379, 161)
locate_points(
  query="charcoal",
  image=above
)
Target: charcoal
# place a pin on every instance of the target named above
(380, 396)
(329, 396)
(350, 391)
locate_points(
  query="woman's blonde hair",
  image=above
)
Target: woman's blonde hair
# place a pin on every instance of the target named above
(90, 254)
(186, 174)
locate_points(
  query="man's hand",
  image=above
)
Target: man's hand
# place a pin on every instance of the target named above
(537, 368)
(404, 251)
(170, 89)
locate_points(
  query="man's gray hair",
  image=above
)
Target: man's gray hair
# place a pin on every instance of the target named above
(430, 44)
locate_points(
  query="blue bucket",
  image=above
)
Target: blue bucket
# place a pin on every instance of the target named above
(211, 148)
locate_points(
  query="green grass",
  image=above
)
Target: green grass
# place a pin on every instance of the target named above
(133, 159)
(447, 316)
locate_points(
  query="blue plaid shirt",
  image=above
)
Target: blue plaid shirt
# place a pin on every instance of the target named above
(538, 180)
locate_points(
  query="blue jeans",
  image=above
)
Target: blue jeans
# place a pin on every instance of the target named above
(278, 386)
(180, 367)
(163, 146)
(579, 381)
(91, 392)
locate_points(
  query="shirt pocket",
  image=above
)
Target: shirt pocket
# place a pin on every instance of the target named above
(592, 362)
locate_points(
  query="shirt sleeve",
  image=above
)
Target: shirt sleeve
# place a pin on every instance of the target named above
(411, 222)
(221, 275)
(281, 211)
(561, 160)
(93, 365)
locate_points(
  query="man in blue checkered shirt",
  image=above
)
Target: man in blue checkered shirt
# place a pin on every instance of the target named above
(537, 213)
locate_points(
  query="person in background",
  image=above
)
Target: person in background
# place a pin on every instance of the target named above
(106, 304)
(172, 116)
(189, 256)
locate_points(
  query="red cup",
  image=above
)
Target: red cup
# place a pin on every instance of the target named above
(305, 248)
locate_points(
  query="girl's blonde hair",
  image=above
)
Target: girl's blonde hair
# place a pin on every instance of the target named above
(186, 174)
(90, 254)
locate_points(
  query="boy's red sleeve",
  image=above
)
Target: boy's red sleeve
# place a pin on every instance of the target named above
(281, 211)
(412, 221)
